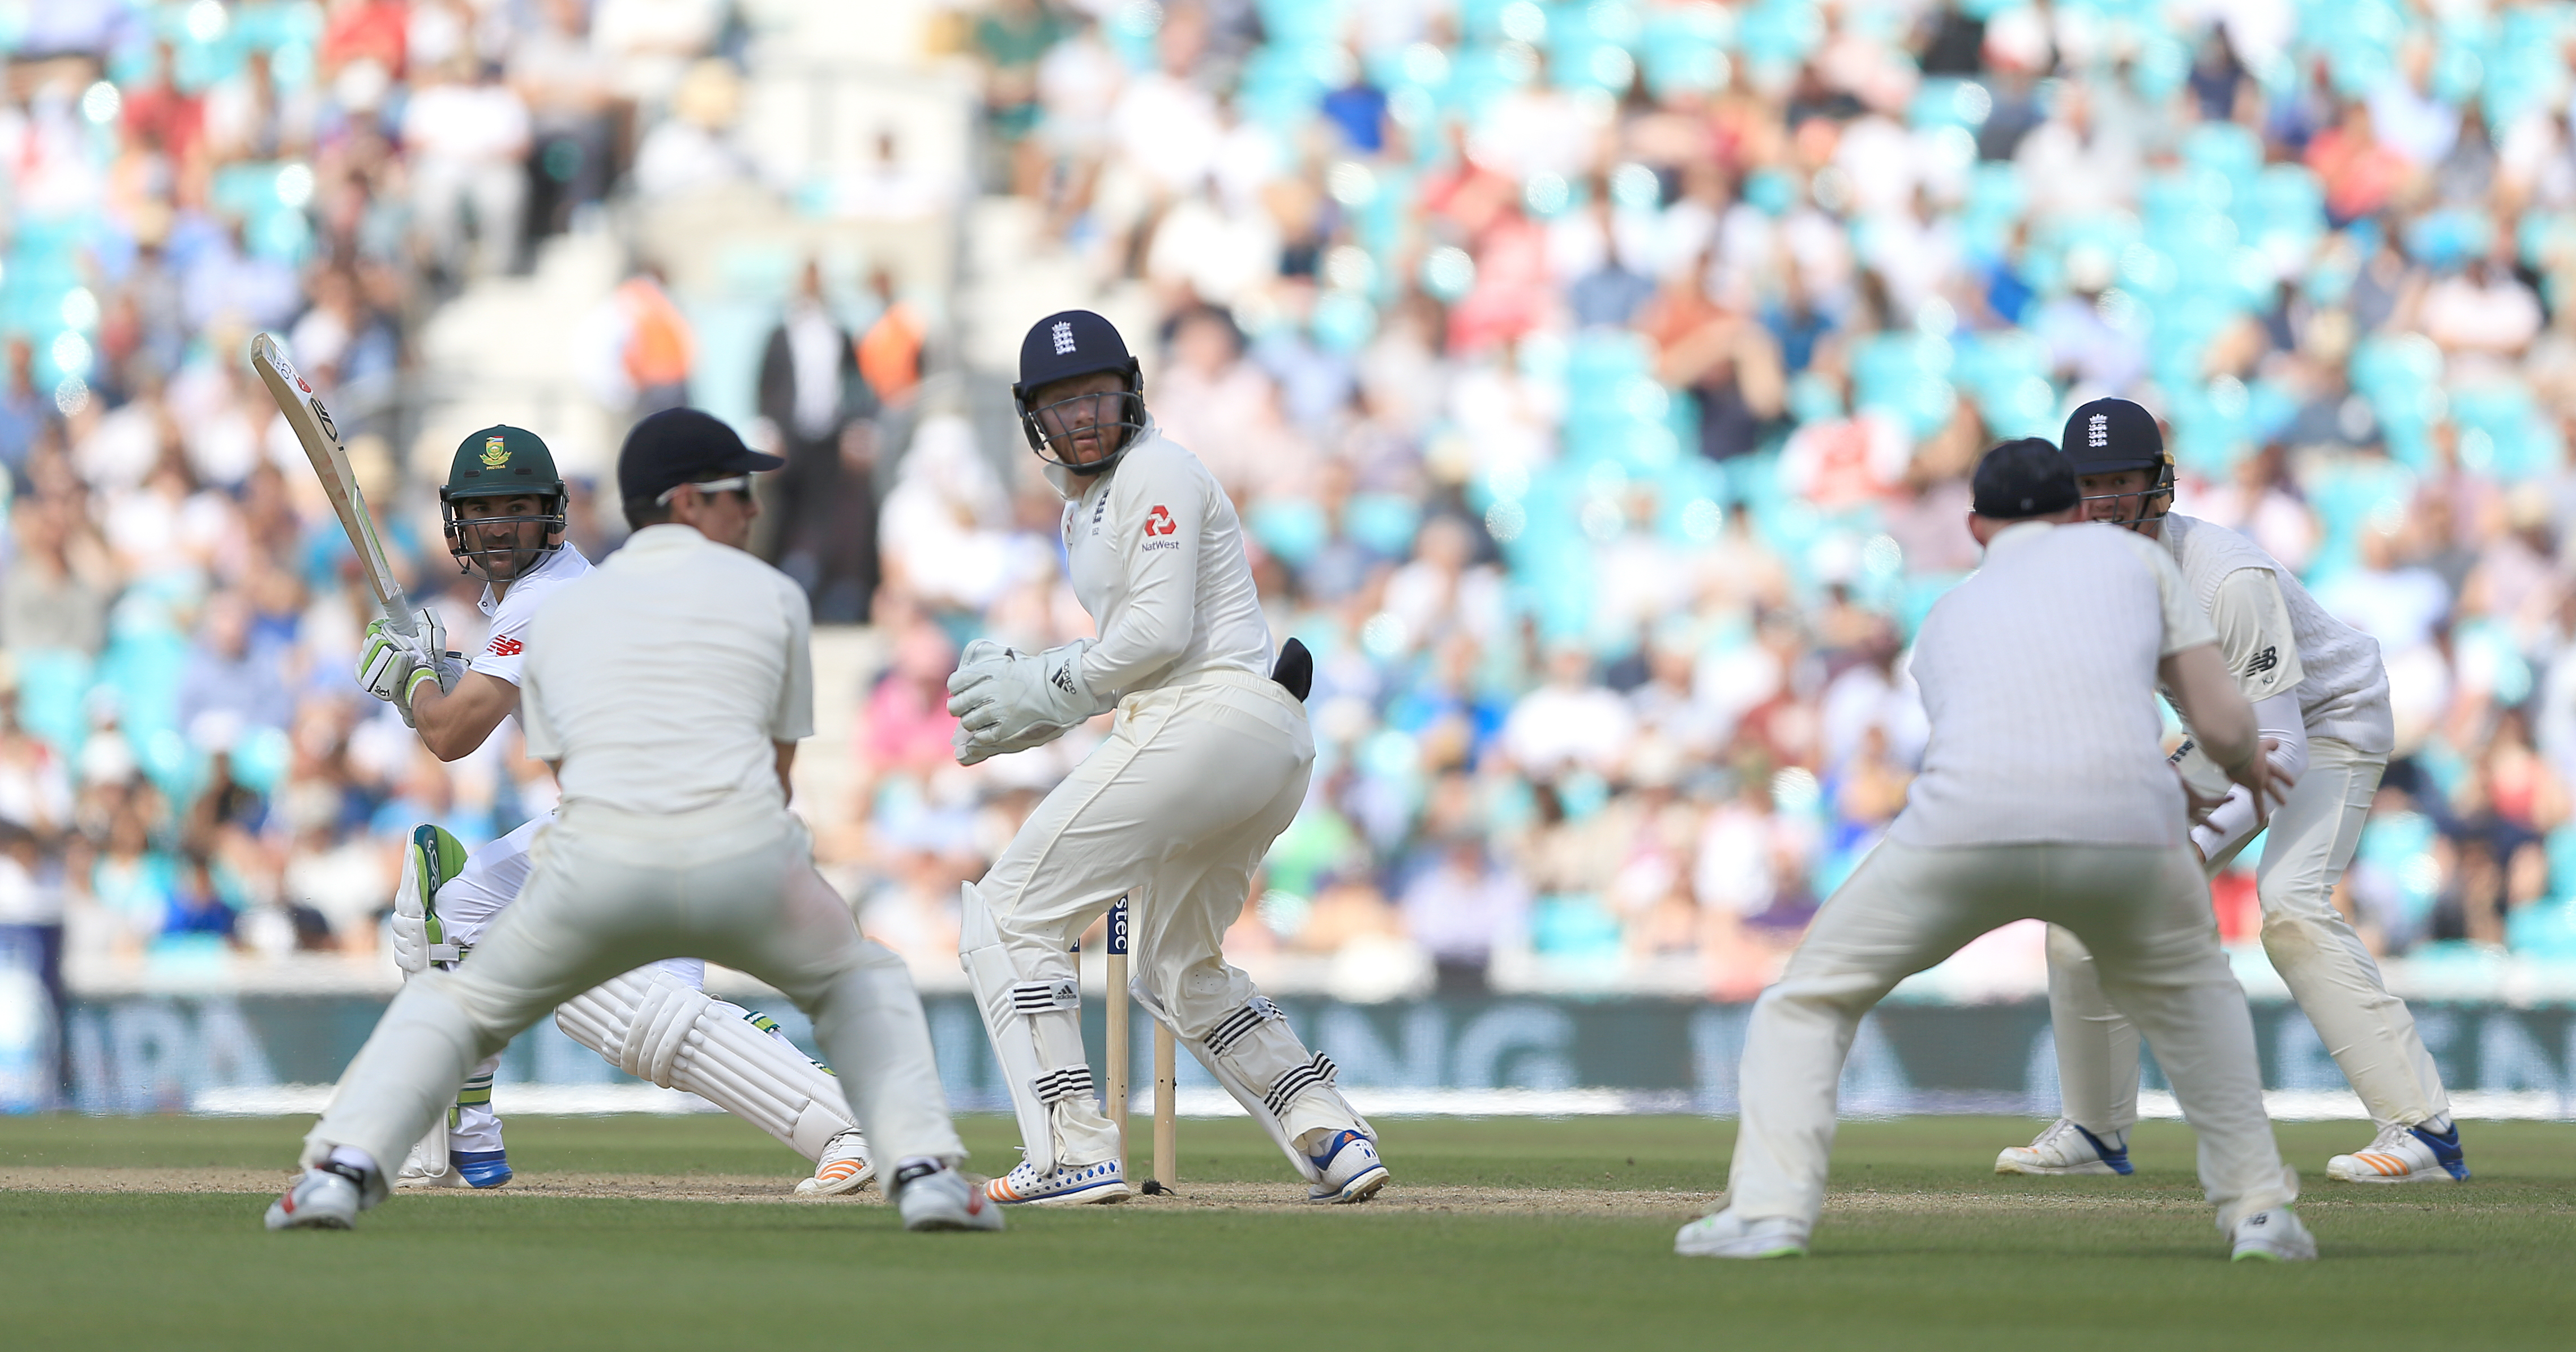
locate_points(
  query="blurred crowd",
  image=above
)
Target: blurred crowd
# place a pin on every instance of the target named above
(188, 778)
(1597, 383)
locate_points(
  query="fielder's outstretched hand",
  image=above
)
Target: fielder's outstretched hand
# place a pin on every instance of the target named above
(2268, 782)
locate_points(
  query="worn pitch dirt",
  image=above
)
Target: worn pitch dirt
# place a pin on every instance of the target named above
(1398, 1197)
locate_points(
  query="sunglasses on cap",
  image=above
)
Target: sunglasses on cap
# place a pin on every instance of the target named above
(740, 483)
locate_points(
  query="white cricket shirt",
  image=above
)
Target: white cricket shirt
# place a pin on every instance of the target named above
(663, 678)
(1156, 554)
(2038, 674)
(505, 648)
(2276, 637)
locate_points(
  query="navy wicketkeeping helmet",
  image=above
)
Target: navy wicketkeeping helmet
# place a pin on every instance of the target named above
(1064, 345)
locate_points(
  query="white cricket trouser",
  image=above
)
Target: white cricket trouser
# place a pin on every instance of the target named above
(1174, 811)
(466, 904)
(611, 891)
(2369, 1031)
(2145, 913)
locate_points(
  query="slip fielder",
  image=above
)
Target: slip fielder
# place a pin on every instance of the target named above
(668, 688)
(2321, 694)
(2044, 793)
(503, 508)
(1204, 767)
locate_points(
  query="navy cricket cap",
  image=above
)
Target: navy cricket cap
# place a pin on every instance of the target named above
(2022, 479)
(682, 446)
(1070, 343)
(2106, 436)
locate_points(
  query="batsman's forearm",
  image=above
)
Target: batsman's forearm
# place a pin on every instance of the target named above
(453, 723)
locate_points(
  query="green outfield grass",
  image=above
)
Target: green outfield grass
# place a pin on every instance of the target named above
(1952, 1256)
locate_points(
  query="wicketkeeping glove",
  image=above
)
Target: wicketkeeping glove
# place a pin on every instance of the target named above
(1010, 701)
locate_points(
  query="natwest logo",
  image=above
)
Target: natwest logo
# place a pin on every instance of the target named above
(1159, 521)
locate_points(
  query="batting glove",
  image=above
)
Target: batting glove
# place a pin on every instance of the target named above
(391, 665)
(1019, 700)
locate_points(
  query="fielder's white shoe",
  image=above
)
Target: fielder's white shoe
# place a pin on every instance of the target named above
(933, 1196)
(1351, 1169)
(845, 1167)
(2066, 1148)
(2404, 1155)
(1079, 1185)
(1726, 1235)
(328, 1198)
(2273, 1236)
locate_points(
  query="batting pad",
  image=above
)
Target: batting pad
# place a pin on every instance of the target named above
(1254, 1054)
(680, 1037)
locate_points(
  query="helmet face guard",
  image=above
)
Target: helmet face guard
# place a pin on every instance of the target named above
(500, 563)
(2138, 506)
(1127, 426)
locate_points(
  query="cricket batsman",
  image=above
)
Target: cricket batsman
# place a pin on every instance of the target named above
(503, 509)
(668, 689)
(1205, 765)
(2321, 695)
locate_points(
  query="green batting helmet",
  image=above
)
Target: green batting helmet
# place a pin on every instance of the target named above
(501, 462)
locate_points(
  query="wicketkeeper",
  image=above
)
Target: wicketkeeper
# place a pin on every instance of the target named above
(668, 689)
(1204, 767)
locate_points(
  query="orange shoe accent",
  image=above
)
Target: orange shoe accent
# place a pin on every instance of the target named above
(838, 1171)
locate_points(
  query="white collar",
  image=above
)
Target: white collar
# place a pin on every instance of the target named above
(663, 537)
(545, 560)
(2017, 533)
(1074, 487)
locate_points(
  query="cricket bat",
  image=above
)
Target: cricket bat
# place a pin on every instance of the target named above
(320, 438)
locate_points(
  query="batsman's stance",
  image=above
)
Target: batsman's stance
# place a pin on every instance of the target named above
(504, 509)
(668, 689)
(2321, 695)
(1203, 769)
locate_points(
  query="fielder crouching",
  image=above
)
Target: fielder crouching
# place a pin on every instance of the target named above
(668, 688)
(2044, 793)
(1204, 767)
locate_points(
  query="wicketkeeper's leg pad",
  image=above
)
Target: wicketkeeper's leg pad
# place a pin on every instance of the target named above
(1287, 1089)
(1035, 1021)
(658, 1029)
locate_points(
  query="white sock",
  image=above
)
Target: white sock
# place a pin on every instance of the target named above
(354, 1158)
